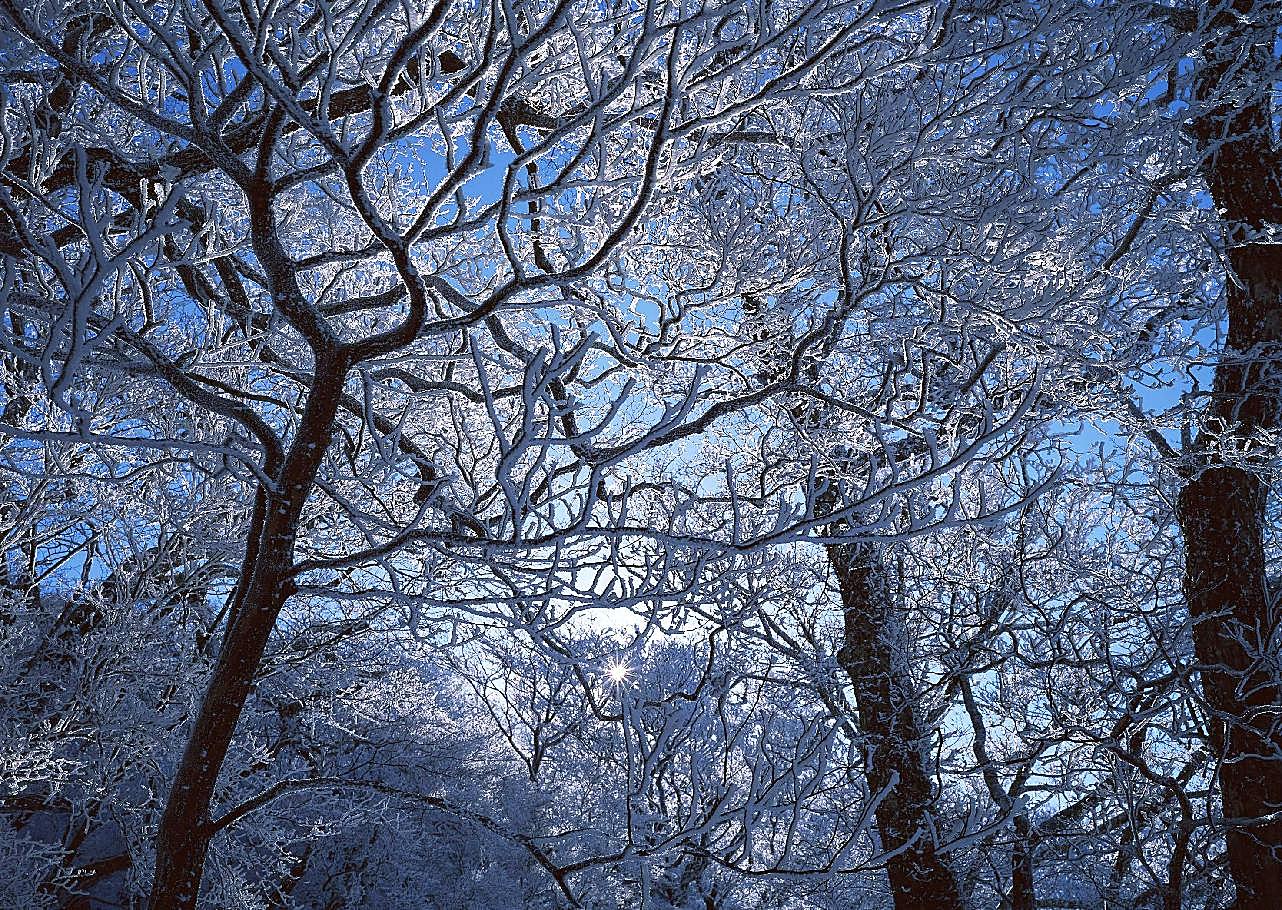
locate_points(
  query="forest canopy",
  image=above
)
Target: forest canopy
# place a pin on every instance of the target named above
(666, 454)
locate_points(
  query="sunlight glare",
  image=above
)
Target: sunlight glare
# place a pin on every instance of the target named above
(617, 672)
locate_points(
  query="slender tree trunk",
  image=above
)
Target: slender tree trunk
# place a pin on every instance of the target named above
(182, 841)
(1222, 516)
(1221, 509)
(875, 659)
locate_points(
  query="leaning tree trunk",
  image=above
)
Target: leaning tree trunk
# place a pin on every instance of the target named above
(874, 657)
(182, 841)
(1221, 509)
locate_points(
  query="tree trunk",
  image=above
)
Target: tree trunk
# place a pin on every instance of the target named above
(1222, 516)
(182, 841)
(1023, 890)
(1221, 509)
(875, 659)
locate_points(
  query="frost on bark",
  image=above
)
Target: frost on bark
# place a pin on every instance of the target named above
(1221, 508)
(874, 658)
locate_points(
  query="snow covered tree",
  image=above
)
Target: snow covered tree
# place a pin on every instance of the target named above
(718, 454)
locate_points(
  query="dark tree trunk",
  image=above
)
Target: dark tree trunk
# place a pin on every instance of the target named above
(1222, 516)
(182, 841)
(1221, 509)
(1023, 891)
(874, 657)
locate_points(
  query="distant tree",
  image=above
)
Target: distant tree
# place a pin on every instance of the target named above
(945, 309)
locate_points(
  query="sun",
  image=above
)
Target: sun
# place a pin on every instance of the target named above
(618, 672)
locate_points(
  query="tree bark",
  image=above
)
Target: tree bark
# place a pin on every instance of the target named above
(1222, 516)
(1023, 884)
(182, 841)
(874, 657)
(1221, 509)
